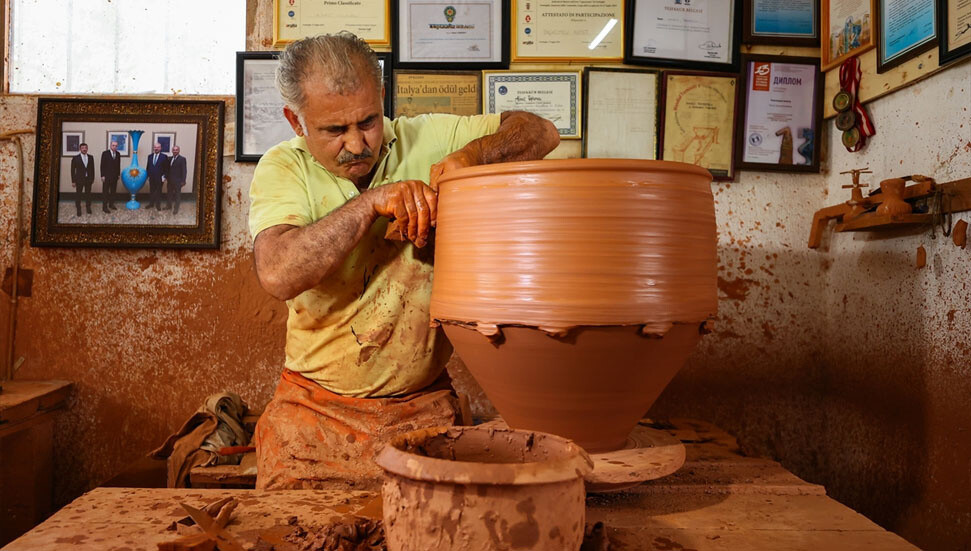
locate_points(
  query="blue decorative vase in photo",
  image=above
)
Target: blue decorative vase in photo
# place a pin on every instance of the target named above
(134, 176)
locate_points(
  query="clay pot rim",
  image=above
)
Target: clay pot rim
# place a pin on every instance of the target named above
(430, 469)
(493, 329)
(562, 165)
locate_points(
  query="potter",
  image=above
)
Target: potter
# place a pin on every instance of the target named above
(362, 364)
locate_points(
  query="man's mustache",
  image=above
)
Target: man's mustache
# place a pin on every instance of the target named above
(348, 157)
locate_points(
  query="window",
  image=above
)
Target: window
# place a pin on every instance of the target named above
(125, 46)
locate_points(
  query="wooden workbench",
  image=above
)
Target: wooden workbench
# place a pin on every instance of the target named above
(719, 500)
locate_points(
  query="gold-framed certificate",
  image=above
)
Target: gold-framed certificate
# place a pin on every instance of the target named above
(699, 121)
(453, 92)
(553, 95)
(620, 113)
(568, 30)
(296, 19)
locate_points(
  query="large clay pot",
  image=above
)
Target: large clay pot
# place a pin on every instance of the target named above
(575, 289)
(482, 489)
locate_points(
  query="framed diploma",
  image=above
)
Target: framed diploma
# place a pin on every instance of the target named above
(567, 30)
(789, 23)
(698, 121)
(907, 29)
(554, 96)
(452, 34)
(700, 34)
(260, 123)
(620, 113)
(848, 25)
(454, 92)
(954, 24)
(296, 19)
(782, 114)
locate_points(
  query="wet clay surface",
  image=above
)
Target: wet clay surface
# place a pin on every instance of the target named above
(472, 489)
(560, 244)
(591, 388)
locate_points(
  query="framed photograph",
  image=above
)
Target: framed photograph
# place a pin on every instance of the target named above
(454, 92)
(908, 28)
(296, 19)
(123, 140)
(555, 96)
(71, 141)
(698, 121)
(848, 25)
(703, 35)
(114, 202)
(164, 139)
(260, 123)
(452, 34)
(620, 113)
(782, 114)
(954, 28)
(551, 30)
(791, 23)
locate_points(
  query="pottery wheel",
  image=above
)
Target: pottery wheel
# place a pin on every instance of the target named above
(648, 454)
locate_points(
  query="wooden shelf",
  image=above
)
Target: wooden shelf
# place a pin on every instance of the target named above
(872, 221)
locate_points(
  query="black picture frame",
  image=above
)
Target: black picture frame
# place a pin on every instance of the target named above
(750, 36)
(948, 55)
(281, 128)
(817, 117)
(884, 64)
(729, 176)
(734, 31)
(199, 124)
(396, 46)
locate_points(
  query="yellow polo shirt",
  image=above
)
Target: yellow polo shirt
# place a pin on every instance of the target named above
(363, 331)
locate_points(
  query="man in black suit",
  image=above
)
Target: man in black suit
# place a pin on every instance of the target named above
(110, 171)
(176, 179)
(157, 167)
(82, 176)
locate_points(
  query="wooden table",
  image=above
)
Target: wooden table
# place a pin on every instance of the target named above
(26, 449)
(719, 500)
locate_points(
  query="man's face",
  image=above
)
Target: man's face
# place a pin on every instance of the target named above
(343, 132)
(157, 148)
(84, 149)
(114, 146)
(175, 150)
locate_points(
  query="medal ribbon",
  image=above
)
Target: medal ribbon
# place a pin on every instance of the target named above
(850, 74)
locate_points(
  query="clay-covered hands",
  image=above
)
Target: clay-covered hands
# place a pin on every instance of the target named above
(457, 159)
(413, 206)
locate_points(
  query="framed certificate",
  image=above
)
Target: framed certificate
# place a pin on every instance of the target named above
(565, 30)
(260, 123)
(698, 121)
(701, 34)
(296, 19)
(620, 113)
(453, 34)
(848, 25)
(554, 96)
(954, 24)
(790, 23)
(907, 29)
(782, 114)
(454, 92)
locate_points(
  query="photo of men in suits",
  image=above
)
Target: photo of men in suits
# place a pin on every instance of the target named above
(157, 167)
(82, 176)
(176, 179)
(110, 171)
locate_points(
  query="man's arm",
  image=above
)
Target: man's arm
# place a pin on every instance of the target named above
(521, 136)
(292, 259)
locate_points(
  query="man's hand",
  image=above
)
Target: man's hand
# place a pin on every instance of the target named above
(411, 203)
(457, 159)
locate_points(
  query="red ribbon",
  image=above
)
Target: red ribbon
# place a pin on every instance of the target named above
(850, 74)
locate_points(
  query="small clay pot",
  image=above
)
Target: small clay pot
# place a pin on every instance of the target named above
(482, 489)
